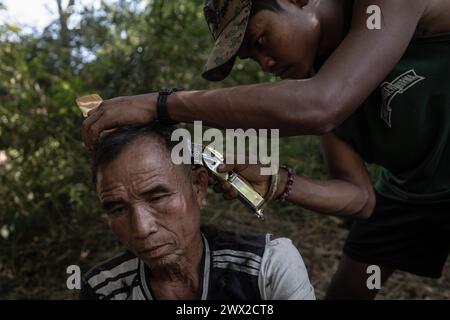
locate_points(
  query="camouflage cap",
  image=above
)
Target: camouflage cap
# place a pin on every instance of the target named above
(227, 20)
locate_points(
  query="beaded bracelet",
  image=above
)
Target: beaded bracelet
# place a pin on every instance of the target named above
(290, 181)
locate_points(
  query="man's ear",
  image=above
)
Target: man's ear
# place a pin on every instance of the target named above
(200, 179)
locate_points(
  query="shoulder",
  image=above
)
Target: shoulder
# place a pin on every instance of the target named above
(234, 251)
(278, 247)
(110, 275)
(221, 240)
(283, 272)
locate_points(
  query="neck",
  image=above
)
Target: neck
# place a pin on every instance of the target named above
(181, 278)
(332, 17)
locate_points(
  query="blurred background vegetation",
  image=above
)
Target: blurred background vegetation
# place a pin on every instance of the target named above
(49, 213)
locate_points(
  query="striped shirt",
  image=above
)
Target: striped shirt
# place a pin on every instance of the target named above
(234, 267)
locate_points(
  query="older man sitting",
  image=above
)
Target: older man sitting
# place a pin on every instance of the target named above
(153, 207)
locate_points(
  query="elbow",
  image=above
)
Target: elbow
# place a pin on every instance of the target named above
(317, 113)
(326, 124)
(311, 121)
(324, 115)
(330, 112)
(369, 200)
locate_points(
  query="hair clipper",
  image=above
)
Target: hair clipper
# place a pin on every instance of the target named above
(212, 159)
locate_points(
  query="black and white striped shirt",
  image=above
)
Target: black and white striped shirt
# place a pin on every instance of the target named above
(234, 267)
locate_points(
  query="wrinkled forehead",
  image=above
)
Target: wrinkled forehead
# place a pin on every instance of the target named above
(144, 158)
(148, 149)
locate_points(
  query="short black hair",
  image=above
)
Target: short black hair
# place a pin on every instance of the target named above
(258, 5)
(110, 145)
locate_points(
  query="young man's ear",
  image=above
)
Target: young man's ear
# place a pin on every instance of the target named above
(200, 179)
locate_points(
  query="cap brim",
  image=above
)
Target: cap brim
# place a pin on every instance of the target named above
(222, 57)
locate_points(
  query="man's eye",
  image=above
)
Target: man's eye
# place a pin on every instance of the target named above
(158, 197)
(117, 210)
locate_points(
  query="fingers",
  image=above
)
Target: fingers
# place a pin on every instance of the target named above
(91, 127)
(93, 111)
(225, 168)
(232, 194)
(112, 114)
(218, 187)
(231, 167)
(102, 118)
(227, 189)
(99, 119)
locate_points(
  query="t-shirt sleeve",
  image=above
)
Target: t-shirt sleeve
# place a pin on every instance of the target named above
(87, 293)
(283, 274)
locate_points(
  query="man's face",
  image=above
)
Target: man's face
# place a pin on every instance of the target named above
(153, 206)
(283, 43)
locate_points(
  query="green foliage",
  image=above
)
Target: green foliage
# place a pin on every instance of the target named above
(49, 216)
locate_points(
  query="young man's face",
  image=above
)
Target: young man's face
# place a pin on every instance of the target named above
(153, 206)
(283, 43)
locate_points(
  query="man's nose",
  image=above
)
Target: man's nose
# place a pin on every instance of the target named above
(266, 62)
(143, 222)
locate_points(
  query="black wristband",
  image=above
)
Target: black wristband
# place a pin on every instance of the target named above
(162, 115)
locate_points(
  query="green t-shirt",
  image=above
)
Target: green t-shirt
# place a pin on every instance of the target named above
(404, 125)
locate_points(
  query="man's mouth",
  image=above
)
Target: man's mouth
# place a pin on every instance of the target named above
(154, 252)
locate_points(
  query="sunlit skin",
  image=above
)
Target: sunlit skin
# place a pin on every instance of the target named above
(153, 208)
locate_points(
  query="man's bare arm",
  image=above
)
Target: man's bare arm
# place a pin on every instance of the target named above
(349, 193)
(312, 106)
(319, 104)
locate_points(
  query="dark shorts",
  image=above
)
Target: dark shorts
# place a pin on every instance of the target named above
(410, 237)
